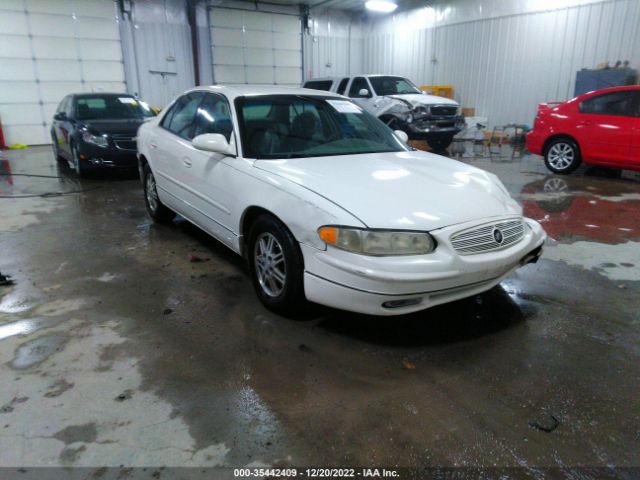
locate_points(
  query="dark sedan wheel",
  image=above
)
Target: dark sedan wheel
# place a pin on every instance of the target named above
(156, 209)
(77, 165)
(276, 265)
(562, 156)
(56, 150)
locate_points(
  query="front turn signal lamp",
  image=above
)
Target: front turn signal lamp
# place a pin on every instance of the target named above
(377, 242)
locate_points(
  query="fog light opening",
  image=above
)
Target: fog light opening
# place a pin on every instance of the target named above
(405, 302)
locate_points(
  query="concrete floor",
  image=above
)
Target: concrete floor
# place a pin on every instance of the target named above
(116, 350)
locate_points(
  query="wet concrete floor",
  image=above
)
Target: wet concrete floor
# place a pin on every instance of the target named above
(116, 350)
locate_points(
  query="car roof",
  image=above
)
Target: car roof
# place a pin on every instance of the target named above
(233, 91)
(102, 94)
(609, 90)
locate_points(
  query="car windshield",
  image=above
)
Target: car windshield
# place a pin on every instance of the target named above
(295, 126)
(393, 86)
(101, 107)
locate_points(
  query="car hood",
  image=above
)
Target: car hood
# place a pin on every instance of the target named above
(405, 190)
(129, 126)
(417, 99)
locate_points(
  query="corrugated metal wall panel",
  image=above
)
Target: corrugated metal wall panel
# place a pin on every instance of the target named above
(257, 47)
(157, 48)
(505, 65)
(333, 44)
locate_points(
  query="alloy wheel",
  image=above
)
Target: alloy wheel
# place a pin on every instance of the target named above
(151, 192)
(270, 264)
(561, 156)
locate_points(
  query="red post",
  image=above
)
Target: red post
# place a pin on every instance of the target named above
(2, 144)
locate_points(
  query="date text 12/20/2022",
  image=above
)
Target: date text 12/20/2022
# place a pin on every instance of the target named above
(315, 473)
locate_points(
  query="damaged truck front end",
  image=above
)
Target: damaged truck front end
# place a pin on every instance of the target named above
(436, 123)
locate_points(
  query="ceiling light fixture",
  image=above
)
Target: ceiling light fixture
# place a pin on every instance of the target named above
(384, 6)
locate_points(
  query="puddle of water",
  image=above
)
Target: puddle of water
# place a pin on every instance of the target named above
(37, 351)
(106, 277)
(583, 208)
(21, 327)
(616, 262)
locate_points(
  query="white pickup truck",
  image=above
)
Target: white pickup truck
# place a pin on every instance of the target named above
(401, 105)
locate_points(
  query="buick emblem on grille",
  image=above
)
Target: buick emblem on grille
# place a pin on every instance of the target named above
(497, 235)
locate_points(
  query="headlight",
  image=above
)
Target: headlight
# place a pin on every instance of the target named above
(99, 140)
(377, 242)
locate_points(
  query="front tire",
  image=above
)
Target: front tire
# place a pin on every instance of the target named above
(56, 150)
(440, 144)
(77, 165)
(156, 209)
(276, 266)
(562, 156)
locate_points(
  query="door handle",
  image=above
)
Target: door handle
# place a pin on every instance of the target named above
(584, 124)
(153, 145)
(187, 163)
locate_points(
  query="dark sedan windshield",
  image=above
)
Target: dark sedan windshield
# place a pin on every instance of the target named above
(294, 126)
(393, 86)
(102, 107)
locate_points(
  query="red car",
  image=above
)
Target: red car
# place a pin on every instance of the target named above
(599, 128)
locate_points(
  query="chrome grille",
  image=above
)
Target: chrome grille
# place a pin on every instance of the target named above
(124, 142)
(483, 239)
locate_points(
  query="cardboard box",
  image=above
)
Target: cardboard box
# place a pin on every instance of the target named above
(469, 112)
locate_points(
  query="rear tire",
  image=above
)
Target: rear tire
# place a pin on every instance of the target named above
(156, 209)
(440, 144)
(562, 155)
(276, 266)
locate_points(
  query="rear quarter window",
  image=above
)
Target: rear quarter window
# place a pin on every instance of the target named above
(616, 103)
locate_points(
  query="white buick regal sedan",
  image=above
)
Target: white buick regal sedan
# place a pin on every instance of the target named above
(327, 204)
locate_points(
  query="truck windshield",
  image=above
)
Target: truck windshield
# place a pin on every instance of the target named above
(393, 86)
(298, 126)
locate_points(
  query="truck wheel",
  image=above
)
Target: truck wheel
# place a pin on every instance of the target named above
(440, 144)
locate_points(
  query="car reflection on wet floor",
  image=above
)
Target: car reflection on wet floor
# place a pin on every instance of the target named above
(584, 208)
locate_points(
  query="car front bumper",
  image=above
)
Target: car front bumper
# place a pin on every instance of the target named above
(93, 156)
(404, 284)
(442, 128)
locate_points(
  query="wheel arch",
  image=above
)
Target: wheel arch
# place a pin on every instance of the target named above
(248, 217)
(557, 136)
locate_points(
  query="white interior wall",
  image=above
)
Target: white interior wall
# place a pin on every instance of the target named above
(49, 48)
(156, 41)
(504, 56)
(256, 45)
(333, 44)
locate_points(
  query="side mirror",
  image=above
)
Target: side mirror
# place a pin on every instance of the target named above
(214, 142)
(364, 92)
(60, 116)
(402, 135)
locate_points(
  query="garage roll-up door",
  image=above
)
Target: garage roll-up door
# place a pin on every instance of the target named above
(255, 47)
(49, 48)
